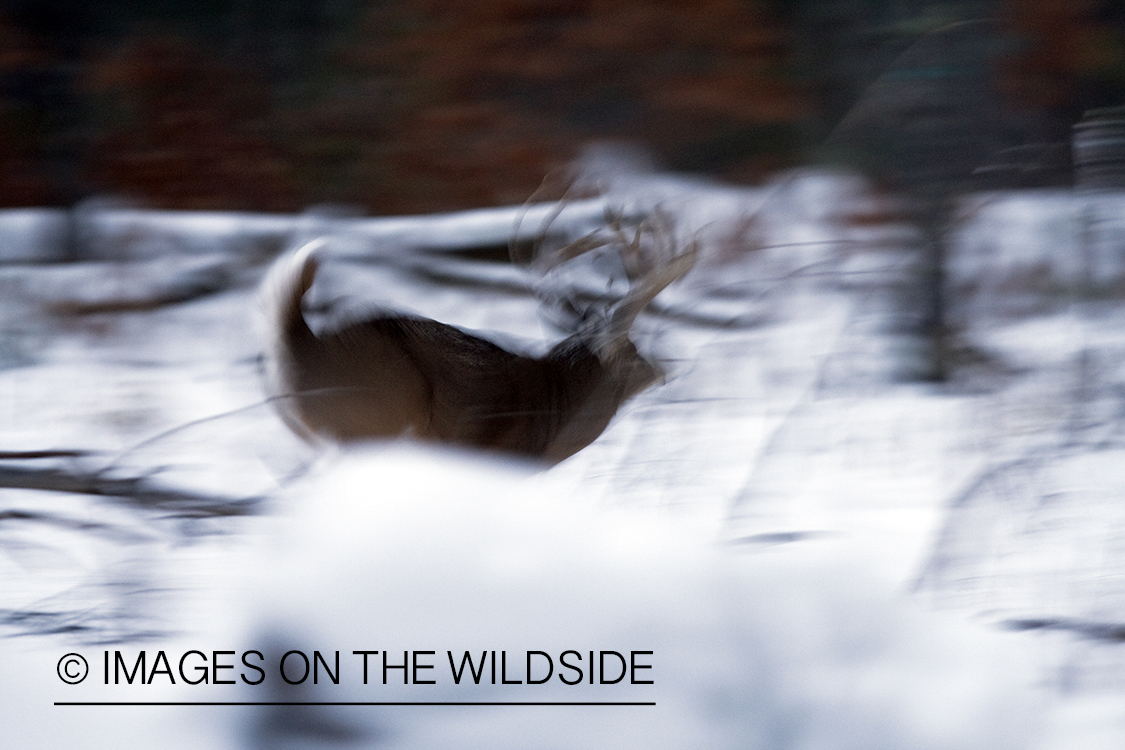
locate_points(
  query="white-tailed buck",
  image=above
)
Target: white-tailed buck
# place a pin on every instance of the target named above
(400, 375)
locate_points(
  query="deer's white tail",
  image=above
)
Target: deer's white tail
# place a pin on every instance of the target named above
(282, 325)
(284, 286)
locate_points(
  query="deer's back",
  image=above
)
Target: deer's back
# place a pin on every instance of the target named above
(396, 375)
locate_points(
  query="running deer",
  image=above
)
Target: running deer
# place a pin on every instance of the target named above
(397, 375)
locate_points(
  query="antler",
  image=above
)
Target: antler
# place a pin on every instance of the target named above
(639, 248)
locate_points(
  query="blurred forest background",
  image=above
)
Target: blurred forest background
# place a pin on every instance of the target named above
(403, 106)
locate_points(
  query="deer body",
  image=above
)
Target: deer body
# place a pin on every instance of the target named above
(398, 375)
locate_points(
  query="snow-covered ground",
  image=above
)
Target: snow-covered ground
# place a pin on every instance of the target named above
(819, 552)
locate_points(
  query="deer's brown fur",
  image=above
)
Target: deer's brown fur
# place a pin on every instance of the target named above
(399, 375)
